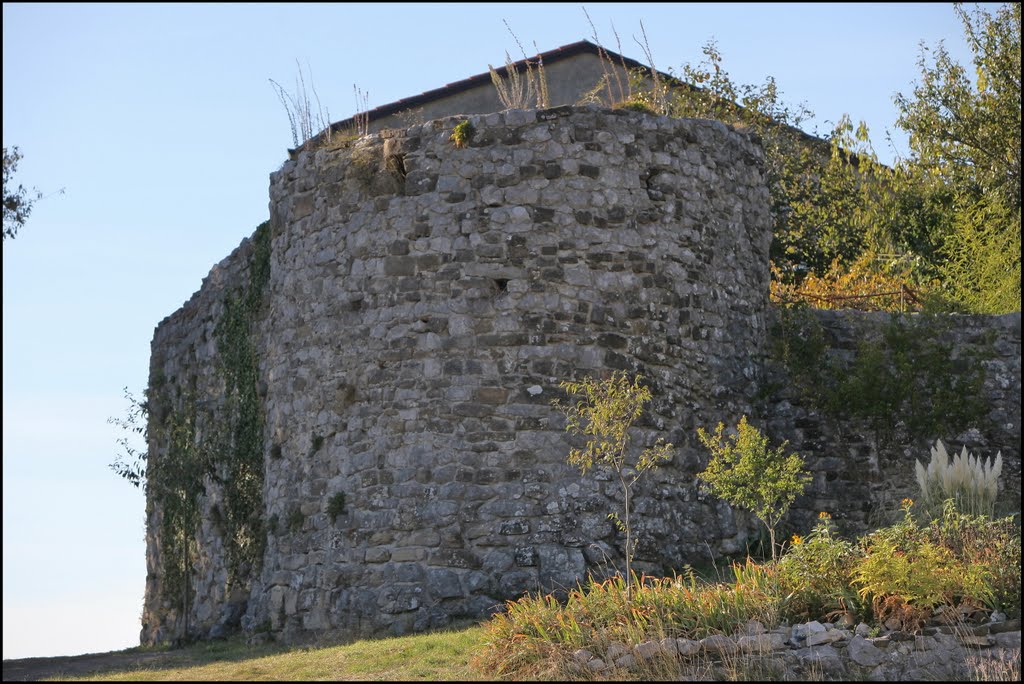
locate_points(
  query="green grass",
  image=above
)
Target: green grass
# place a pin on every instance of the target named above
(439, 656)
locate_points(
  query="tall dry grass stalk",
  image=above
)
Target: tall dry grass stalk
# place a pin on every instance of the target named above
(659, 89)
(642, 89)
(304, 120)
(1002, 669)
(517, 91)
(362, 116)
(612, 73)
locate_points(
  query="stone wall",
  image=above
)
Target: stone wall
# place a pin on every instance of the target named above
(184, 374)
(424, 302)
(814, 651)
(862, 472)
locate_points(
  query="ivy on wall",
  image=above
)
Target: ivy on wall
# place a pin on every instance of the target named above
(908, 373)
(221, 440)
(238, 468)
(173, 482)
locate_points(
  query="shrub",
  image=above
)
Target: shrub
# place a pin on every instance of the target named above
(462, 133)
(969, 481)
(295, 520)
(746, 473)
(336, 505)
(907, 571)
(990, 545)
(814, 574)
(536, 635)
(316, 441)
(868, 284)
(637, 105)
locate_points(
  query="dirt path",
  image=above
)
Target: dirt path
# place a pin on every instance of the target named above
(32, 669)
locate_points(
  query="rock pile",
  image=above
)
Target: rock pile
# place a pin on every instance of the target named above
(825, 651)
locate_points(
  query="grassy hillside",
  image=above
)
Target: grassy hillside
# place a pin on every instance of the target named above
(440, 656)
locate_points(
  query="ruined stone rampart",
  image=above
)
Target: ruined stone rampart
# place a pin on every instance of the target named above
(424, 301)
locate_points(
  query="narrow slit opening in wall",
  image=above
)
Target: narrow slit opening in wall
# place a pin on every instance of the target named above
(501, 284)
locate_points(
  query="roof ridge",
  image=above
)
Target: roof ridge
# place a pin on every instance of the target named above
(554, 55)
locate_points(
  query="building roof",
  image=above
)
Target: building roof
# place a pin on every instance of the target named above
(546, 58)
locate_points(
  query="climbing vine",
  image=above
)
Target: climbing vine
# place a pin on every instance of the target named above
(238, 468)
(906, 373)
(223, 442)
(174, 480)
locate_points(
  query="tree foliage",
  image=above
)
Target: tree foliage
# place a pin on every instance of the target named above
(18, 201)
(966, 134)
(946, 220)
(746, 473)
(604, 415)
(864, 285)
(831, 198)
(982, 266)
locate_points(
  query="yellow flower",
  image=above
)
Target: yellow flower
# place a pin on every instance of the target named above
(824, 516)
(906, 504)
(797, 540)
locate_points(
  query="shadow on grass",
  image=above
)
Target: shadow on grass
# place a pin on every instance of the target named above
(371, 655)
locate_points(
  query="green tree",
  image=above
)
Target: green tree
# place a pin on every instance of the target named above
(827, 195)
(834, 204)
(604, 415)
(790, 156)
(746, 473)
(969, 132)
(17, 201)
(966, 133)
(981, 271)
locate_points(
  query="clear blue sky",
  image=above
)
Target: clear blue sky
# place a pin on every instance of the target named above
(160, 123)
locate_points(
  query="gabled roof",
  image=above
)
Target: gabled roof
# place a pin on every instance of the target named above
(546, 58)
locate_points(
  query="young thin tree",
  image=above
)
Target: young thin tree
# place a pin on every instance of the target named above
(746, 473)
(604, 415)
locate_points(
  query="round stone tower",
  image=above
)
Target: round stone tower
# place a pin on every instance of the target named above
(424, 301)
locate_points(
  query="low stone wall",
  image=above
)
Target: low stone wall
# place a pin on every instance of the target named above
(861, 472)
(817, 651)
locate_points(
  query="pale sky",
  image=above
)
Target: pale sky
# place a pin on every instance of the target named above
(160, 124)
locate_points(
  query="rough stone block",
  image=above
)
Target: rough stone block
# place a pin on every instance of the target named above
(492, 395)
(687, 647)
(760, 643)
(406, 555)
(718, 644)
(864, 653)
